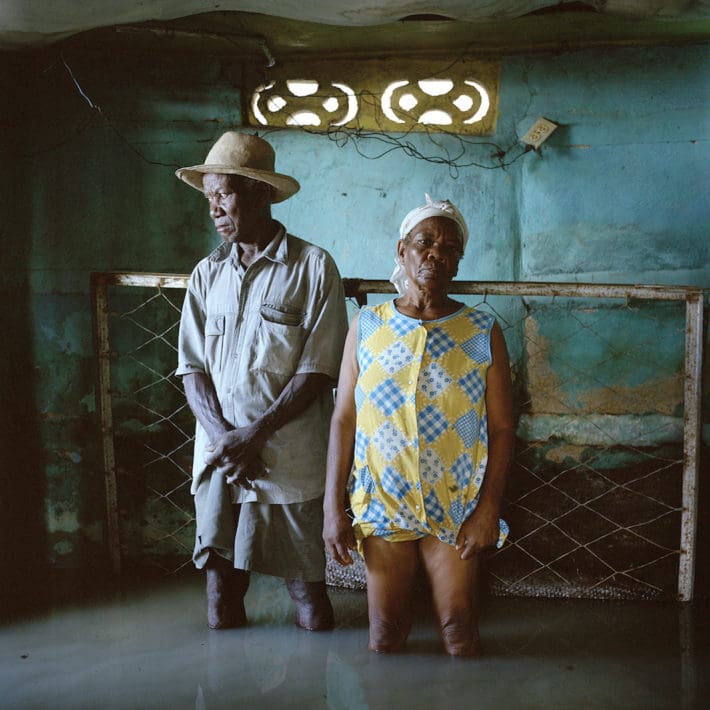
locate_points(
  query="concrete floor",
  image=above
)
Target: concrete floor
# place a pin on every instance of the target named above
(150, 648)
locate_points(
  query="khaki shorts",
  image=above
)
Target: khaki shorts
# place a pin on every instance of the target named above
(281, 540)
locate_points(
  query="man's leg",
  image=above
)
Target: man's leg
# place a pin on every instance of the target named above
(216, 518)
(454, 586)
(286, 541)
(391, 569)
(314, 611)
(226, 588)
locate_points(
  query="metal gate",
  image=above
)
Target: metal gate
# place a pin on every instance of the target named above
(602, 496)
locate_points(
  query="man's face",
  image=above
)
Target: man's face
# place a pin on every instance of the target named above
(238, 205)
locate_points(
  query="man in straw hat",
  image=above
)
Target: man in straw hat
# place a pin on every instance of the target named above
(261, 335)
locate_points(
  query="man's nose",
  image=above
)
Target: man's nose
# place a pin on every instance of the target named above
(215, 208)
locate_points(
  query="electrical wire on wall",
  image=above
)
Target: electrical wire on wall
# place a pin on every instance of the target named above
(456, 155)
(498, 158)
(97, 115)
(108, 122)
(447, 148)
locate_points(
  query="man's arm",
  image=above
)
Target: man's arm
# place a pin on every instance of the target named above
(240, 446)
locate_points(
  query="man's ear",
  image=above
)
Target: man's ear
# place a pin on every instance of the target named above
(268, 192)
(400, 249)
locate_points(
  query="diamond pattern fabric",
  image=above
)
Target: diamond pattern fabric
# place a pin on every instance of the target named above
(421, 445)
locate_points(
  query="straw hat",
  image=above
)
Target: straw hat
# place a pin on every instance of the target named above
(242, 154)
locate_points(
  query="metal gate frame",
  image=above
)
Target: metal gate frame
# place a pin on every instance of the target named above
(359, 290)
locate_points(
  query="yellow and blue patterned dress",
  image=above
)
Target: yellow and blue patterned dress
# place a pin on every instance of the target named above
(421, 443)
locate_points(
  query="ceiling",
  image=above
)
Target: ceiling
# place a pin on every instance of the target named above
(356, 26)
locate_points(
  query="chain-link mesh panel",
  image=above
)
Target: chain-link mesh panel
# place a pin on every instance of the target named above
(153, 428)
(594, 497)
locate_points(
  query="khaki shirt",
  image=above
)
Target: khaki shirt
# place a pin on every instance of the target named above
(251, 330)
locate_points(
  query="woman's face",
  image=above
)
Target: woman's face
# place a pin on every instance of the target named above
(431, 252)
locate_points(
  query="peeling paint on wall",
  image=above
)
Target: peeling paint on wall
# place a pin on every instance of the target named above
(550, 394)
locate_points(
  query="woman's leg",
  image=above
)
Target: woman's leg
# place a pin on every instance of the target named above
(454, 587)
(390, 571)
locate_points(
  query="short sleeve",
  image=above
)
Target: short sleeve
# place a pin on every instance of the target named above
(323, 348)
(191, 338)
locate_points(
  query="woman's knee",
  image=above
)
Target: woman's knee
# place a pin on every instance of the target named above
(388, 633)
(390, 571)
(459, 632)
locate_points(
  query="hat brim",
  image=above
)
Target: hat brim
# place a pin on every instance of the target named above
(284, 185)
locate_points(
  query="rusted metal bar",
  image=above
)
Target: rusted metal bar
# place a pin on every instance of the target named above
(360, 288)
(103, 407)
(150, 280)
(356, 287)
(691, 444)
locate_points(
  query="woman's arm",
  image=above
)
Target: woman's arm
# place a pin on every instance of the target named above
(337, 529)
(480, 531)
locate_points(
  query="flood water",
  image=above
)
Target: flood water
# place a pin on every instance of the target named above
(149, 647)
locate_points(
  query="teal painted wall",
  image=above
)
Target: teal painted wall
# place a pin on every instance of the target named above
(623, 194)
(618, 194)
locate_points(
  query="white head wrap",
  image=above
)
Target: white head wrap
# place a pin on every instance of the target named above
(432, 208)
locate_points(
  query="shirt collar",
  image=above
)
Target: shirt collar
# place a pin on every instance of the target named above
(221, 253)
(276, 250)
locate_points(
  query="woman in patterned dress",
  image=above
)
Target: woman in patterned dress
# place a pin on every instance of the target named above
(420, 440)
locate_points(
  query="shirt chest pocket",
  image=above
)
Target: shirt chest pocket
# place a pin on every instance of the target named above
(214, 342)
(280, 336)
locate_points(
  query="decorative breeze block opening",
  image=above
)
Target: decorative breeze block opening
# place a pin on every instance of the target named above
(387, 96)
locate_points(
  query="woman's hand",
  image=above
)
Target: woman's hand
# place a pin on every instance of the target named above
(479, 532)
(339, 537)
